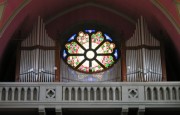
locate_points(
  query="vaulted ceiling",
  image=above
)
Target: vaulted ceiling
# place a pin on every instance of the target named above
(60, 15)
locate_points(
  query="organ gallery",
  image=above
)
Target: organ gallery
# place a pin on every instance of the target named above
(64, 57)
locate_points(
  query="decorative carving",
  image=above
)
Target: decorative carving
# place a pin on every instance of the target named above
(50, 93)
(133, 93)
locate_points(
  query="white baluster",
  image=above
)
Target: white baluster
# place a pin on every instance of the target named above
(82, 93)
(25, 93)
(114, 96)
(88, 91)
(70, 91)
(19, 94)
(95, 88)
(0, 93)
(32, 91)
(177, 94)
(13, 91)
(7, 90)
(165, 93)
(64, 93)
(76, 93)
(107, 93)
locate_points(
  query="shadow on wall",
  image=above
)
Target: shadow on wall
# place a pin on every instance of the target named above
(8, 63)
(172, 61)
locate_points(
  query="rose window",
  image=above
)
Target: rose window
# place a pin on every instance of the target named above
(90, 51)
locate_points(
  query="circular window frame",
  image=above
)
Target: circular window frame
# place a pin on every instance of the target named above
(116, 49)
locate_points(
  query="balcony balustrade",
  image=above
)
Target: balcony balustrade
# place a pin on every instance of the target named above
(90, 95)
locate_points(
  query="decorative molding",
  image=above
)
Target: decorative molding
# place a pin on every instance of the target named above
(12, 16)
(50, 93)
(94, 5)
(133, 93)
(167, 14)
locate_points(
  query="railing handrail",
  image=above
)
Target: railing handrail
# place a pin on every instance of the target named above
(91, 83)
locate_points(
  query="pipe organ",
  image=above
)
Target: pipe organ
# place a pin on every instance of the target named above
(143, 55)
(37, 56)
(39, 59)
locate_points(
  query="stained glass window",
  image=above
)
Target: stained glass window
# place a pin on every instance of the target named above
(90, 51)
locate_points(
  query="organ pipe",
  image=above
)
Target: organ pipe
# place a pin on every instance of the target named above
(143, 63)
(37, 60)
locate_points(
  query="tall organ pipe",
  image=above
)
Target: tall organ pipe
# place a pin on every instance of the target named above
(37, 65)
(145, 64)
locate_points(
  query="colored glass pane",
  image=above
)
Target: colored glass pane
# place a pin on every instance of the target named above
(116, 54)
(107, 37)
(64, 54)
(89, 31)
(72, 38)
(84, 67)
(95, 66)
(74, 48)
(107, 47)
(83, 39)
(75, 60)
(107, 61)
(90, 54)
(90, 51)
(96, 39)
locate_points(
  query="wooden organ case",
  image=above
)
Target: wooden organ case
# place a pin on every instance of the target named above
(37, 57)
(144, 56)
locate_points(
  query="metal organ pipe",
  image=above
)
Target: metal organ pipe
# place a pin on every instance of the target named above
(47, 69)
(135, 63)
(127, 67)
(138, 42)
(27, 64)
(37, 65)
(143, 64)
(152, 65)
(138, 52)
(158, 67)
(154, 69)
